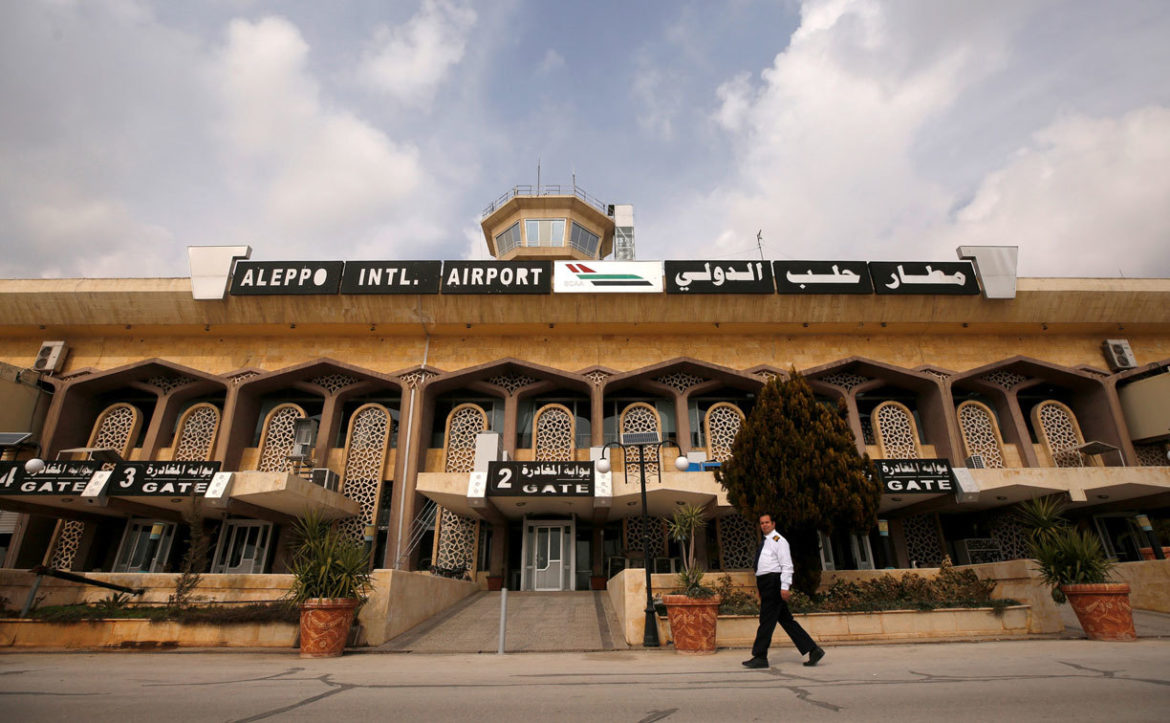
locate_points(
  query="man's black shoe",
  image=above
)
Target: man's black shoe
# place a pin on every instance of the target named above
(814, 657)
(756, 663)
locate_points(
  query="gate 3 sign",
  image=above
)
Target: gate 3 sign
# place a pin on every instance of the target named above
(135, 479)
(915, 476)
(540, 479)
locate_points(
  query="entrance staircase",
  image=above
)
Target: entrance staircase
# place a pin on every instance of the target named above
(536, 622)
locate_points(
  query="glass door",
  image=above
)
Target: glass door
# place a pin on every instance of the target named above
(826, 545)
(242, 547)
(548, 556)
(862, 552)
(137, 545)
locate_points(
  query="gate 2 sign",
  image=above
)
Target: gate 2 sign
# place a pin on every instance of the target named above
(540, 479)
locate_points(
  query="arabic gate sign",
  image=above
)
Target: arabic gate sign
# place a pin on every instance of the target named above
(915, 476)
(822, 277)
(57, 478)
(718, 277)
(540, 479)
(147, 479)
(916, 277)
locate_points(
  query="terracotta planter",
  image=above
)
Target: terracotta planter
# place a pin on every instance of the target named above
(1103, 610)
(692, 623)
(325, 624)
(495, 583)
(597, 582)
(1148, 553)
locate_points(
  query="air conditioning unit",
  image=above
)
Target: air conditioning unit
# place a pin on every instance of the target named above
(325, 477)
(975, 461)
(1118, 354)
(51, 357)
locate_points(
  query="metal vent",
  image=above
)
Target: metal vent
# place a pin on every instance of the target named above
(975, 461)
(1118, 354)
(324, 477)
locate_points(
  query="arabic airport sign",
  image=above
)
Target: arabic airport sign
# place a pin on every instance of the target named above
(915, 476)
(269, 278)
(57, 478)
(391, 277)
(170, 479)
(497, 277)
(607, 277)
(913, 277)
(718, 277)
(603, 277)
(822, 277)
(540, 479)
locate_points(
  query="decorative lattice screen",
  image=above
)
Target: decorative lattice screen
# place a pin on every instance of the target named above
(370, 430)
(196, 437)
(277, 441)
(896, 432)
(553, 431)
(738, 540)
(640, 417)
(722, 423)
(1061, 434)
(981, 433)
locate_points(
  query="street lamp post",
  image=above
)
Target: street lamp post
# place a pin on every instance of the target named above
(642, 440)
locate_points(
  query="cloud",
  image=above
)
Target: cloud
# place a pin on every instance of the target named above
(1086, 197)
(408, 62)
(552, 61)
(864, 139)
(317, 171)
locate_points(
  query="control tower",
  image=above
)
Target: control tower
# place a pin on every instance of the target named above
(549, 222)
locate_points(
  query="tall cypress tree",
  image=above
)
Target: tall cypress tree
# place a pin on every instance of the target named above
(795, 458)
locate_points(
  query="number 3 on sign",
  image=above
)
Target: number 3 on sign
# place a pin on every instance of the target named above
(505, 482)
(129, 480)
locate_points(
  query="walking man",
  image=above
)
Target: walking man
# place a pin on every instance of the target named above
(773, 578)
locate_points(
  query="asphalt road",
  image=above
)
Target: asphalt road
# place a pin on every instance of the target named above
(1008, 681)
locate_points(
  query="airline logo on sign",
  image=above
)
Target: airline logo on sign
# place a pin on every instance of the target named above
(608, 277)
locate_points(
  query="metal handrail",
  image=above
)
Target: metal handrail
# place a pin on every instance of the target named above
(545, 190)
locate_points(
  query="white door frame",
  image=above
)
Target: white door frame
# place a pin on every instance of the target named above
(568, 559)
(826, 549)
(862, 551)
(229, 533)
(124, 556)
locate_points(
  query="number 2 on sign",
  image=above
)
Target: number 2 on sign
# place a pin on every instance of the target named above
(505, 482)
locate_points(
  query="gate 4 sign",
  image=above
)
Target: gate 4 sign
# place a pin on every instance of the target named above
(540, 479)
(915, 476)
(146, 479)
(57, 478)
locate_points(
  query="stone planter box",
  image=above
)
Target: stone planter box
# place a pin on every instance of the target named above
(739, 631)
(140, 633)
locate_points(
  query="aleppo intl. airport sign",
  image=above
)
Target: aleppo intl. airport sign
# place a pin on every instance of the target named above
(915, 476)
(540, 479)
(603, 277)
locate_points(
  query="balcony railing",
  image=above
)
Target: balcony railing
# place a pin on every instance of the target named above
(545, 190)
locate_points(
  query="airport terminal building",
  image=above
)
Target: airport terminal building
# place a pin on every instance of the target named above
(451, 413)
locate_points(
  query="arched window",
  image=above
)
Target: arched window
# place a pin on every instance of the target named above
(897, 434)
(722, 422)
(195, 440)
(640, 417)
(981, 433)
(1060, 432)
(553, 434)
(276, 442)
(463, 423)
(365, 462)
(117, 428)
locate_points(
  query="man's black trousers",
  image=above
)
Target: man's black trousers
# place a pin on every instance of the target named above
(773, 609)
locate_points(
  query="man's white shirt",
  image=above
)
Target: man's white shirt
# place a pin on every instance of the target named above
(776, 557)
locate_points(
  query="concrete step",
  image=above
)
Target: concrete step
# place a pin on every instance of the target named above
(536, 622)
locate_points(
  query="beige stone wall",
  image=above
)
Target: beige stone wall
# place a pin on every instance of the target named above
(1149, 583)
(15, 584)
(400, 600)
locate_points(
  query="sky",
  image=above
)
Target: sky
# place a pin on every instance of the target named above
(379, 130)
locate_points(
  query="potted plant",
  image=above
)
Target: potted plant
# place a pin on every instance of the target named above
(1073, 562)
(694, 609)
(330, 579)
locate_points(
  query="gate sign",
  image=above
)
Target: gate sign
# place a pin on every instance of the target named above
(147, 479)
(915, 476)
(540, 479)
(57, 478)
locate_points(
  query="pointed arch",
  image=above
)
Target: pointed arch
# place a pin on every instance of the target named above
(896, 431)
(981, 434)
(195, 440)
(720, 425)
(640, 417)
(554, 434)
(1060, 432)
(276, 441)
(117, 428)
(366, 444)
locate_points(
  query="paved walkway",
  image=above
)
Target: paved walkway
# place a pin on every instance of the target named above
(537, 622)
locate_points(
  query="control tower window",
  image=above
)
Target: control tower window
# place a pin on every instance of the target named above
(584, 240)
(544, 232)
(508, 240)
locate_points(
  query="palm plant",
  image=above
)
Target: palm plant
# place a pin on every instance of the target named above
(1043, 517)
(326, 563)
(1071, 557)
(683, 528)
